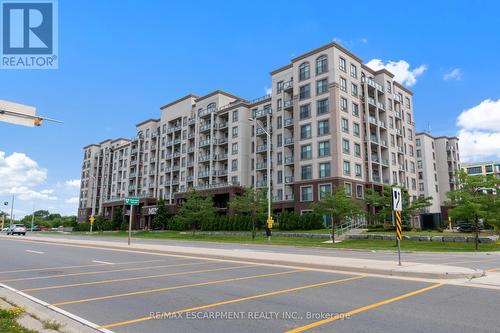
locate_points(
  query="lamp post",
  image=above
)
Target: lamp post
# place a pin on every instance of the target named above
(268, 164)
(94, 192)
(11, 211)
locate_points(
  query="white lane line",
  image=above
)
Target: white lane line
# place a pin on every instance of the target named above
(103, 262)
(37, 252)
(56, 309)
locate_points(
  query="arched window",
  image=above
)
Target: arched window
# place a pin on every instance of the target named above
(211, 107)
(304, 71)
(321, 65)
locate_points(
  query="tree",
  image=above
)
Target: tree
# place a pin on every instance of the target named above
(252, 202)
(195, 209)
(476, 199)
(117, 218)
(101, 223)
(161, 218)
(339, 206)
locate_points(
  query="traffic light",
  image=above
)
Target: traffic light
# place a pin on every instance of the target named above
(38, 121)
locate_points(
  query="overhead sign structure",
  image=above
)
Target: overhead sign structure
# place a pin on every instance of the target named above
(133, 201)
(397, 207)
(18, 114)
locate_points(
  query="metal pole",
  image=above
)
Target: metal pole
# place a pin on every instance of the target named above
(130, 223)
(399, 252)
(268, 178)
(11, 211)
(92, 198)
(33, 217)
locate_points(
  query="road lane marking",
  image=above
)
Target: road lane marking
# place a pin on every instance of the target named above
(78, 266)
(178, 287)
(237, 300)
(37, 252)
(103, 262)
(58, 310)
(103, 272)
(362, 309)
(134, 278)
(492, 269)
(470, 261)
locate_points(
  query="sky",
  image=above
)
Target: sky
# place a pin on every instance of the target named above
(120, 60)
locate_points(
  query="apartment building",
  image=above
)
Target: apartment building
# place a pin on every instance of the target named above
(438, 162)
(330, 121)
(482, 168)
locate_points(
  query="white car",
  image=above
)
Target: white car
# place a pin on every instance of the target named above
(17, 229)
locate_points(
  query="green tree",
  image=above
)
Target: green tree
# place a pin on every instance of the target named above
(161, 218)
(117, 218)
(196, 209)
(476, 199)
(101, 223)
(339, 206)
(252, 202)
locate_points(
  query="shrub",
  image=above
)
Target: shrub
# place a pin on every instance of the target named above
(82, 227)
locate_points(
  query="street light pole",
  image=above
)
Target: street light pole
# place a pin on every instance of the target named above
(94, 186)
(11, 211)
(268, 169)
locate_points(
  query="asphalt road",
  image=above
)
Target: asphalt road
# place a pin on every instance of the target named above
(480, 260)
(119, 290)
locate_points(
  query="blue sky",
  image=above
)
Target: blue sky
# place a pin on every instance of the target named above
(121, 60)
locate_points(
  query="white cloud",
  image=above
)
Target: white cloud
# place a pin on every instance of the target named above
(364, 40)
(268, 90)
(401, 70)
(479, 131)
(72, 200)
(18, 170)
(73, 183)
(454, 74)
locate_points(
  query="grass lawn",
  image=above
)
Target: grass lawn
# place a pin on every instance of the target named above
(368, 244)
(425, 233)
(8, 323)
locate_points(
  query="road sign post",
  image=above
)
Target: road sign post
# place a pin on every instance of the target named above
(269, 226)
(91, 220)
(397, 207)
(132, 201)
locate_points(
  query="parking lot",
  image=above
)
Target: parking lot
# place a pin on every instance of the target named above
(126, 291)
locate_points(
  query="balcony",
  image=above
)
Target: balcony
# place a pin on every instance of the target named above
(401, 167)
(203, 158)
(133, 151)
(371, 101)
(177, 141)
(288, 179)
(288, 122)
(287, 105)
(176, 154)
(261, 183)
(400, 150)
(288, 141)
(190, 149)
(373, 120)
(261, 131)
(381, 106)
(191, 121)
(288, 85)
(220, 173)
(221, 157)
(202, 174)
(205, 142)
(385, 162)
(398, 114)
(189, 163)
(262, 113)
(222, 141)
(223, 125)
(376, 178)
(289, 160)
(205, 127)
(399, 131)
(383, 143)
(375, 158)
(381, 124)
(260, 166)
(261, 148)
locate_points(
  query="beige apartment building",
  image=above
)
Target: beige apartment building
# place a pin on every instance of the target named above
(330, 121)
(482, 168)
(438, 162)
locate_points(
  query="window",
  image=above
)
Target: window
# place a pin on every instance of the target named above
(279, 122)
(348, 189)
(345, 125)
(323, 190)
(305, 91)
(321, 65)
(234, 148)
(305, 111)
(354, 89)
(420, 165)
(279, 87)
(304, 71)
(355, 109)
(305, 152)
(235, 116)
(421, 187)
(419, 153)
(347, 168)
(324, 170)
(279, 104)
(305, 131)
(357, 170)
(306, 193)
(343, 84)
(389, 89)
(354, 71)
(279, 157)
(306, 172)
(359, 191)
(279, 139)
(280, 177)
(323, 148)
(343, 104)
(323, 127)
(322, 106)
(418, 142)
(321, 86)
(355, 129)
(234, 165)
(342, 64)
(346, 146)
(235, 131)
(357, 150)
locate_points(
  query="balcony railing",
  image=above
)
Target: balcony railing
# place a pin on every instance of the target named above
(289, 160)
(288, 104)
(288, 179)
(288, 122)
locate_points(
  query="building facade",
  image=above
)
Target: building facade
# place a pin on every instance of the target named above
(330, 121)
(438, 162)
(482, 168)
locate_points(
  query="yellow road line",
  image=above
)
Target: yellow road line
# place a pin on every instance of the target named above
(492, 269)
(78, 266)
(237, 300)
(135, 278)
(108, 271)
(364, 308)
(177, 287)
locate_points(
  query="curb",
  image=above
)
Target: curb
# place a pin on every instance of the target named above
(470, 274)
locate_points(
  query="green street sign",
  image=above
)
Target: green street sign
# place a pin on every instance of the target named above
(132, 201)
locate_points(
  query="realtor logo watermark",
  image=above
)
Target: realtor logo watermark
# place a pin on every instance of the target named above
(29, 38)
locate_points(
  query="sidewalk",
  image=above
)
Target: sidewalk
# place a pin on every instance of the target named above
(382, 267)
